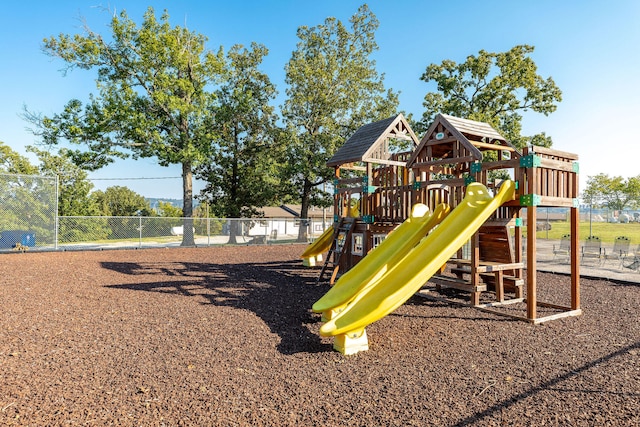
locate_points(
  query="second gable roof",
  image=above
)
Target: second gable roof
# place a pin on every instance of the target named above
(367, 144)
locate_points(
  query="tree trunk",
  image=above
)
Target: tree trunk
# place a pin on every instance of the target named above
(303, 231)
(234, 231)
(187, 205)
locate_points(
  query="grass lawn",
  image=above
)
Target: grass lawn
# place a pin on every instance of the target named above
(605, 230)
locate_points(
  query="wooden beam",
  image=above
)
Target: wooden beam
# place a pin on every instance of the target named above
(559, 202)
(384, 162)
(557, 316)
(347, 181)
(452, 160)
(492, 146)
(575, 260)
(502, 164)
(532, 298)
(441, 141)
(475, 261)
(350, 190)
(351, 166)
(502, 222)
(551, 152)
(556, 165)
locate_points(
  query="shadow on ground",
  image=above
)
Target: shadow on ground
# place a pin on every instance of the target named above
(280, 293)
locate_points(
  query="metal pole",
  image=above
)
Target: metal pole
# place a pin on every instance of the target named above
(546, 226)
(56, 221)
(140, 230)
(590, 210)
(206, 206)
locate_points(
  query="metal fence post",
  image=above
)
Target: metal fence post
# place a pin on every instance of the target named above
(208, 225)
(56, 221)
(139, 229)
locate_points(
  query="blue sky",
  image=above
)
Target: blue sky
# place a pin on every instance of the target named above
(590, 48)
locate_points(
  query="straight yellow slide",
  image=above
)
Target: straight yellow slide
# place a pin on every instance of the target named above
(319, 246)
(422, 262)
(382, 258)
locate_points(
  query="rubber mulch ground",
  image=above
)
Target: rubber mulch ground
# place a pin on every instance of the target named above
(225, 337)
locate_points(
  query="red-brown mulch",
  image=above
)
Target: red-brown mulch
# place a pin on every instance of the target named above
(225, 337)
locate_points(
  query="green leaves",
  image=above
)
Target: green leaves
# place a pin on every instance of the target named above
(493, 88)
(333, 89)
(154, 96)
(121, 201)
(12, 162)
(616, 193)
(243, 160)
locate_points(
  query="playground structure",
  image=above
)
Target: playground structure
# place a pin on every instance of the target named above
(404, 195)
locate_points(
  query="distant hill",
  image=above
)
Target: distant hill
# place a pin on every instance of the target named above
(154, 202)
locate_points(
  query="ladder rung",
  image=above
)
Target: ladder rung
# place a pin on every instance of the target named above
(343, 232)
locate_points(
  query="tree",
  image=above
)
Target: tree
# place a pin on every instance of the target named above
(26, 201)
(167, 210)
(241, 171)
(120, 204)
(121, 201)
(153, 97)
(493, 88)
(616, 193)
(13, 163)
(73, 186)
(333, 89)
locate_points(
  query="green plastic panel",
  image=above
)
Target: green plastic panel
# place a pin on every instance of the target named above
(530, 161)
(530, 200)
(368, 219)
(369, 189)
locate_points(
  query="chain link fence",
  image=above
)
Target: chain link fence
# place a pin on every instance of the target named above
(77, 233)
(28, 211)
(29, 221)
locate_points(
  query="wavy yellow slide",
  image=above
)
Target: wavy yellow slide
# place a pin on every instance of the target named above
(320, 245)
(381, 259)
(417, 267)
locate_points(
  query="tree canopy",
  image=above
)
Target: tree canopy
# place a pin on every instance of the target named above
(14, 163)
(121, 201)
(153, 96)
(494, 88)
(74, 189)
(333, 89)
(241, 173)
(616, 193)
(161, 93)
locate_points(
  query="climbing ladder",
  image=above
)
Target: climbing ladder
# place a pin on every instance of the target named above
(341, 237)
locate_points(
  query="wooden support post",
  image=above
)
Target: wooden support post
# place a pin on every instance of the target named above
(499, 286)
(532, 298)
(337, 210)
(365, 196)
(575, 260)
(518, 250)
(475, 262)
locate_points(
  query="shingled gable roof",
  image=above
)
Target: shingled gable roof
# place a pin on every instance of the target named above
(367, 144)
(473, 135)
